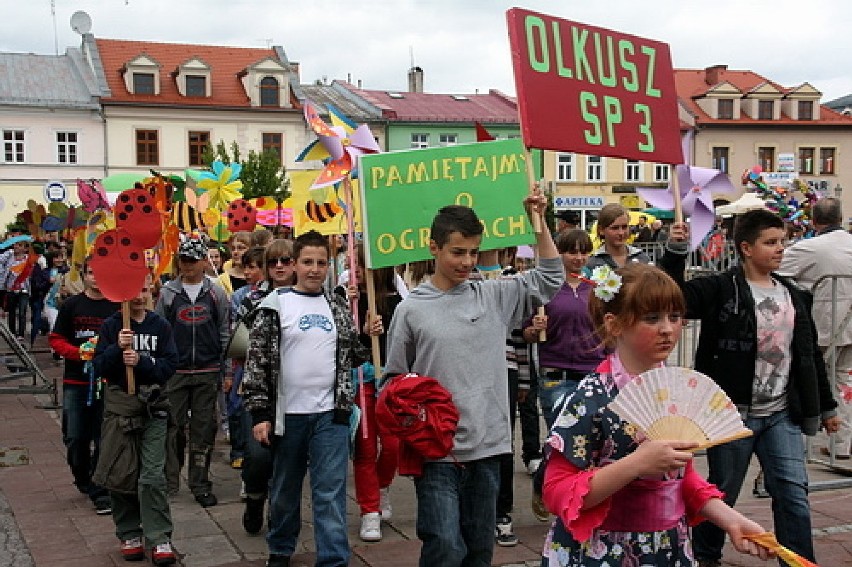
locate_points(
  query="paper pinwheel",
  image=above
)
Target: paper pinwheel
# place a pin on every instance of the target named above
(340, 143)
(697, 186)
(223, 184)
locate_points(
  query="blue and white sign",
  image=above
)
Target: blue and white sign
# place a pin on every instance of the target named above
(578, 201)
(779, 178)
(55, 191)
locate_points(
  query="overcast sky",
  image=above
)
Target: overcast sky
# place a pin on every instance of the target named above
(462, 45)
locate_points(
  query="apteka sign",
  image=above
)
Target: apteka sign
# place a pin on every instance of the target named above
(593, 91)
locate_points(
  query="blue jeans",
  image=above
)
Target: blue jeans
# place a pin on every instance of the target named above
(456, 512)
(310, 442)
(778, 444)
(81, 428)
(257, 466)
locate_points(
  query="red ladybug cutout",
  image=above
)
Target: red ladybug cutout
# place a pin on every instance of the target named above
(136, 212)
(242, 216)
(118, 263)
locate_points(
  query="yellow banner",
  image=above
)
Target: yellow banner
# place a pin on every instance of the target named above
(328, 217)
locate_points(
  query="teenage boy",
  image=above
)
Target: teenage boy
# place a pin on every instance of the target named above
(758, 343)
(197, 309)
(79, 319)
(299, 390)
(454, 330)
(140, 503)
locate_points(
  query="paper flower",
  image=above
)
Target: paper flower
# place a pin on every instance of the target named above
(223, 184)
(340, 144)
(607, 283)
(87, 349)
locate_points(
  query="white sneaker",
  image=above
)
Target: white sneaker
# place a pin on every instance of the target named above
(385, 504)
(371, 527)
(533, 465)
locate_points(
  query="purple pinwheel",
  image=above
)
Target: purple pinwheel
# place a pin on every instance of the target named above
(697, 186)
(340, 143)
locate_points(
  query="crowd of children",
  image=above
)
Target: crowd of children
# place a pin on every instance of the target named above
(233, 326)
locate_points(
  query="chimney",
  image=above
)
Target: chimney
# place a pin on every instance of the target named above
(415, 80)
(711, 74)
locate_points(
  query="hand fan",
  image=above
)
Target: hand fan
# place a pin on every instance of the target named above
(680, 404)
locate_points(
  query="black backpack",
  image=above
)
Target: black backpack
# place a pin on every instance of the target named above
(39, 281)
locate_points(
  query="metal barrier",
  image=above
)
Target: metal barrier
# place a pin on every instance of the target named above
(839, 322)
(696, 259)
(21, 365)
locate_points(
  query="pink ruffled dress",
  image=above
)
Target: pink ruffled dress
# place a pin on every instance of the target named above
(645, 523)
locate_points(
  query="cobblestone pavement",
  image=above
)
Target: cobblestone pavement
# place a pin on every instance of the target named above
(45, 521)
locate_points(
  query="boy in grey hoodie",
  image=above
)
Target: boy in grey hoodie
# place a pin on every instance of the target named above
(454, 330)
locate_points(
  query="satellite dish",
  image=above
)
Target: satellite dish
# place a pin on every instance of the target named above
(81, 22)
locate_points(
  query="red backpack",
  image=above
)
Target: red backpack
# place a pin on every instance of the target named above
(420, 412)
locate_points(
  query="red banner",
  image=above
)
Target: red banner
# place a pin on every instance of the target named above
(592, 90)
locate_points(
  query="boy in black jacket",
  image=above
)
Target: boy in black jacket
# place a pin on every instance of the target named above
(758, 343)
(132, 464)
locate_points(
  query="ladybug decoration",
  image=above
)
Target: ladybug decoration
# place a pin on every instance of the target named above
(242, 216)
(136, 212)
(118, 262)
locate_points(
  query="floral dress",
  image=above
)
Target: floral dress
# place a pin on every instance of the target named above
(586, 436)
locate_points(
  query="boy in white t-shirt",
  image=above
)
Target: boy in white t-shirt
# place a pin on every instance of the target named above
(298, 388)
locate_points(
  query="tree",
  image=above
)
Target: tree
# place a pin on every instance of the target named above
(262, 174)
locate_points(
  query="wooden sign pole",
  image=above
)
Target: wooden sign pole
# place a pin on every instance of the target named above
(125, 324)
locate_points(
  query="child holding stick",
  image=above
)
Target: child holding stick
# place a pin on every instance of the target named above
(620, 498)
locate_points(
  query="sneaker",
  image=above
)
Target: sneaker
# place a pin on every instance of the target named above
(132, 550)
(532, 466)
(103, 506)
(253, 516)
(163, 554)
(371, 527)
(207, 499)
(385, 504)
(278, 560)
(237, 463)
(505, 536)
(826, 452)
(538, 508)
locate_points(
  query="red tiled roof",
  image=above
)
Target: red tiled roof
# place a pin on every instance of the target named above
(225, 64)
(494, 107)
(691, 84)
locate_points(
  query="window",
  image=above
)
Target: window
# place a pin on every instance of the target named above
(720, 159)
(13, 146)
(143, 83)
(826, 161)
(269, 91)
(632, 170)
(565, 167)
(198, 142)
(66, 147)
(273, 142)
(147, 147)
(594, 168)
(662, 172)
(448, 139)
(419, 141)
(196, 85)
(764, 110)
(766, 158)
(806, 110)
(726, 109)
(806, 160)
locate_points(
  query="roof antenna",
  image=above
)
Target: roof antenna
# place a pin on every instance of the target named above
(55, 35)
(411, 54)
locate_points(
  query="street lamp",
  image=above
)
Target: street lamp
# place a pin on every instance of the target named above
(279, 195)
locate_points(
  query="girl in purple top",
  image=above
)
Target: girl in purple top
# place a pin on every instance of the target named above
(572, 349)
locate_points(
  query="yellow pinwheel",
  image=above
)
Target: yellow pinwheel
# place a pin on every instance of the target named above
(223, 184)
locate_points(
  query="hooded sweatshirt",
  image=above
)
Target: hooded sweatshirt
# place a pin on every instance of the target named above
(458, 337)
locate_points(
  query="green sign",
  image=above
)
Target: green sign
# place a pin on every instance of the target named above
(402, 191)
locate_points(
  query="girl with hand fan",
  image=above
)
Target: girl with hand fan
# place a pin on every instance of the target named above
(619, 498)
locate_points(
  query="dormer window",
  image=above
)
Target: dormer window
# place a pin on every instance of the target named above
(143, 83)
(196, 85)
(193, 78)
(142, 76)
(269, 92)
(806, 109)
(765, 110)
(726, 109)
